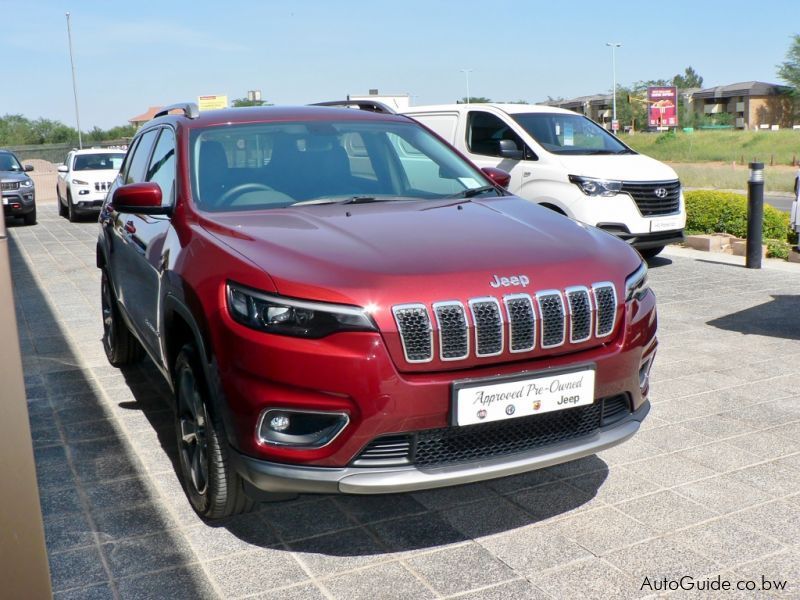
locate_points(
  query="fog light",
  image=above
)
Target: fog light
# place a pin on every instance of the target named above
(279, 423)
(300, 428)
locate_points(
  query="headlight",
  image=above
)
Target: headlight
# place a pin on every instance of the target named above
(28, 183)
(79, 182)
(298, 318)
(636, 284)
(596, 187)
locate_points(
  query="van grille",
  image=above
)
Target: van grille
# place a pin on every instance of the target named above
(652, 202)
(550, 314)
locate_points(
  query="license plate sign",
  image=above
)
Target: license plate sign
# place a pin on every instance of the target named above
(476, 402)
(664, 224)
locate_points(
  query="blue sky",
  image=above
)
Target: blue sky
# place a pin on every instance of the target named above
(131, 55)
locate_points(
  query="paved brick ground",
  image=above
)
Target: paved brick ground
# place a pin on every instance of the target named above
(711, 486)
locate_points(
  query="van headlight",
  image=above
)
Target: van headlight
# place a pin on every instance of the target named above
(636, 285)
(289, 316)
(596, 187)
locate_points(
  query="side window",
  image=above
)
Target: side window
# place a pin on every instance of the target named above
(484, 132)
(135, 169)
(162, 166)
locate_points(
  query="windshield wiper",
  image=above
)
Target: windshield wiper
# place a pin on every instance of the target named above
(352, 200)
(472, 192)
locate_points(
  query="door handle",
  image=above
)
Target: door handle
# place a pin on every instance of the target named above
(130, 227)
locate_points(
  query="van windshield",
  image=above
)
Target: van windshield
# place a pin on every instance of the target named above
(570, 134)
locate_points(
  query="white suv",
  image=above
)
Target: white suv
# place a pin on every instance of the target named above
(570, 164)
(84, 180)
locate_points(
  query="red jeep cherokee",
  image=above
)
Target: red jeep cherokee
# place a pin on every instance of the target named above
(343, 303)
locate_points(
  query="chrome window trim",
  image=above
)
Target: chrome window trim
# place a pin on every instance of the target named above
(506, 300)
(540, 295)
(597, 286)
(436, 305)
(398, 307)
(472, 302)
(567, 292)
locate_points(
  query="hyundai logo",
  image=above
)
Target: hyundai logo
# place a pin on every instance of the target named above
(661, 192)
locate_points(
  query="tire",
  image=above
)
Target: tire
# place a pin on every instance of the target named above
(212, 486)
(648, 253)
(72, 215)
(62, 210)
(30, 218)
(121, 347)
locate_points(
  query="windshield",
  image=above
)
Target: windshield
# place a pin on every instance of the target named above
(9, 162)
(98, 162)
(570, 134)
(274, 165)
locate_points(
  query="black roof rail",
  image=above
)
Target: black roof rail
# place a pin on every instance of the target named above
(370, 105)
(189, 110)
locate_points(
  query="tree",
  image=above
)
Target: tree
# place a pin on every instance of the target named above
(789, 70)
(474, 100)
(689, 79)
(241, 102)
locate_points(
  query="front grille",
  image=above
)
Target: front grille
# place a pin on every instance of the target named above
(551, 307)
(488, 326)
(102, 186)
(580, 314)
(415, 332)
(8, 186)
(448, 445)
(605, 299)
(649, 203)
(522, 322)
(453, 331)
(543, 320)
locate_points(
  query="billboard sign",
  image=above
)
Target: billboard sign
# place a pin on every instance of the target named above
(662, 106)
(211, 102)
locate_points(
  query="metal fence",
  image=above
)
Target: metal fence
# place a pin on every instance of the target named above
(56, 153)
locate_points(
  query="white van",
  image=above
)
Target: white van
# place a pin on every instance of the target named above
(570, 164)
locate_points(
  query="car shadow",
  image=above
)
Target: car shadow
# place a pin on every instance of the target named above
(776, 318)
(658, 261)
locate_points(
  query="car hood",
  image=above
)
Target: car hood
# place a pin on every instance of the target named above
(9, 176)
(383, 254)
(623, 167)
(94, 175)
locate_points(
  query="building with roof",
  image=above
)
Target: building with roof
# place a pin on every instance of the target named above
(597, 107)
(751, 104)
(146, 116)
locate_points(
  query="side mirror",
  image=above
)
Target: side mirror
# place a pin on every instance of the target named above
(498, 176)
(139, 198)
(508, 149)
(28, 168)
(63, 169)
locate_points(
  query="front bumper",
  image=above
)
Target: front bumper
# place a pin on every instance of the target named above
(285, 478)
(643, 241)
(19, 202)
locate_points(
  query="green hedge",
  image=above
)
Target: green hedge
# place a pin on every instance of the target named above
(709, 211)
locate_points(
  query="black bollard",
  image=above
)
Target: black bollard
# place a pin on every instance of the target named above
(755, 215)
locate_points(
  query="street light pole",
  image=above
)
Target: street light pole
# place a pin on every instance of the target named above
(614, 46)
(74, 85)
(467, 72)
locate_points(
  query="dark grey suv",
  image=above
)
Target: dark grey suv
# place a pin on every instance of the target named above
(19, 193)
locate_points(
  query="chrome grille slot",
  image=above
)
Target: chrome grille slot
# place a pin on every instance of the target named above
(488, 323)
(551, 309)
(605, 301)
(385, 451)
(580, 314)
(521, 322)
(453, 331)
(415, 330)
(9, 185)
